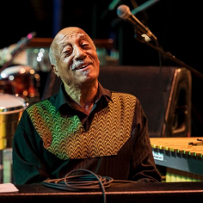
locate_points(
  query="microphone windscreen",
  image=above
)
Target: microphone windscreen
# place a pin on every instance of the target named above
(123, 11)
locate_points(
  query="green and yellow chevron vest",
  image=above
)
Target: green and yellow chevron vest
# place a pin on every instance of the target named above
(66, 137)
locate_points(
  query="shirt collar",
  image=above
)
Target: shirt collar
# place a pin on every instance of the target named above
(61, 98)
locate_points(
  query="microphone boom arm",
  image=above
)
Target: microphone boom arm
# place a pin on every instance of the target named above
(173, 58)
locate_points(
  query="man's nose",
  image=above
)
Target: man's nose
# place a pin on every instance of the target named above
(79, 53)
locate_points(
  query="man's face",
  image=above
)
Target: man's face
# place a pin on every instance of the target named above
(76, 57)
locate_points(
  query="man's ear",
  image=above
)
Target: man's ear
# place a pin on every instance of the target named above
(54, 69)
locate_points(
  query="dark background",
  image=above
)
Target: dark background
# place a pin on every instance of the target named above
(176, 24)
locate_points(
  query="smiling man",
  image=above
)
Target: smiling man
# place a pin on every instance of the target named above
(74, 59)
(84, 125)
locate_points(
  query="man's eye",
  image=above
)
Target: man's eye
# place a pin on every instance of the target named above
(67, 53)
(85, 46)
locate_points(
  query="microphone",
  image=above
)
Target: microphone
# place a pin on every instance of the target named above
(23, 43)
(123, 12)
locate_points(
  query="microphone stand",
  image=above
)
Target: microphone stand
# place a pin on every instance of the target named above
(7, 64)
(140, 38)
(20, 46)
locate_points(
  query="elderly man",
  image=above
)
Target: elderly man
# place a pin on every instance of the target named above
(84, 125)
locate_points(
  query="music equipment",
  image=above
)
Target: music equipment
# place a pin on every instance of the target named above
(182, 157)
(124, 12)
(11, 109)
(165, 94)
(22, 81)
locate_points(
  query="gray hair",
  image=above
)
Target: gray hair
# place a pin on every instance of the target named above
(52, 55)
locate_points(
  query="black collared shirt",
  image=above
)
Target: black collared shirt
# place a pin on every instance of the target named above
(101, 101)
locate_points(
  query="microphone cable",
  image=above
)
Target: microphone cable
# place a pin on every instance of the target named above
(88, 180)
(80, 182)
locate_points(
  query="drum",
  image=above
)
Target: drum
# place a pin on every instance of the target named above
(11, 109)
(20, 81)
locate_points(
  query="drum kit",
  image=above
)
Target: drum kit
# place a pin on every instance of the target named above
(18, 89)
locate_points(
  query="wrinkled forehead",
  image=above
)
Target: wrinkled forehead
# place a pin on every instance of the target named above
(72, 34)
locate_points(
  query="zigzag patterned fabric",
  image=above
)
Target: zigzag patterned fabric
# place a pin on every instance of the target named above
(66, 137)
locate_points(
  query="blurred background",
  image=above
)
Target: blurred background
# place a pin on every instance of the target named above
(176, 24)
